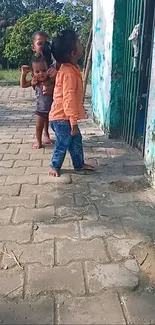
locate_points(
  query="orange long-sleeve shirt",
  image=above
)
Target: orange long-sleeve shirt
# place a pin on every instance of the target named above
(68, 95)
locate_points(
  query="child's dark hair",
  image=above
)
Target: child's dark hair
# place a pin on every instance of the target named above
(63, 45)
(38, 59)
(39, 33)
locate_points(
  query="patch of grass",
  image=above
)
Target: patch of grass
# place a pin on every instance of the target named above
(9, 77)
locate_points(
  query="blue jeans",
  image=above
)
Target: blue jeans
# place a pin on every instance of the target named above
(65, 141)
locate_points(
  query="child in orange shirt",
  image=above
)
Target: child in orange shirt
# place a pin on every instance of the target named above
(67, 107)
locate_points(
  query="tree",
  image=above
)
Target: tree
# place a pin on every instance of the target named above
(10, 11)
(18, 39)
(80, 14)
(53, 5)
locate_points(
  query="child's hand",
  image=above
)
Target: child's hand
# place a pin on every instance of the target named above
(74, 130)
(25, 69)
(52, 73)
(34, 81)
(45, 90)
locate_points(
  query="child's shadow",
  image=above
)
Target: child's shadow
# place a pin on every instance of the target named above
(76, 172)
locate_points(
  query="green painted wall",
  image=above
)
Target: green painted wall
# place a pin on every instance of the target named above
(117, 67)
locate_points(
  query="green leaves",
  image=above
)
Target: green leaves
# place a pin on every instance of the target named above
(24, 17)
(53, 5)
(10, 11)
(80, 14)
(18, 45)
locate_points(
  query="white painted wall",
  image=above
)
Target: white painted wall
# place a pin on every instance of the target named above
(150, 128)
(103, 17)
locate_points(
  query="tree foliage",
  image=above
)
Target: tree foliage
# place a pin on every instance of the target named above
(80, 14)
(53, 5)
(20, 18)
(18, 38)
(11, 10)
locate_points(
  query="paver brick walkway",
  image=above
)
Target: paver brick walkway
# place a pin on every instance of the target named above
(65, 244)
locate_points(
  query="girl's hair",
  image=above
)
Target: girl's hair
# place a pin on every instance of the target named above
(39, 33)
(37, 59)
(63, 45)
(46, 47)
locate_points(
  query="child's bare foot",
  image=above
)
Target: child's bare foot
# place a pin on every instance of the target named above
(46, 140)
(54, 172)
(87, 167)
(37, 145)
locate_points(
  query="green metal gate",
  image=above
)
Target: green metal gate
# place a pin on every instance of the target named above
(137, 78)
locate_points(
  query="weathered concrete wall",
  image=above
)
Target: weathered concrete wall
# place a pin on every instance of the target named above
(150, 128)
(107, 72)
(103, 17)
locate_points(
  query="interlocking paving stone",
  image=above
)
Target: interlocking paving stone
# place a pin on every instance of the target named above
(11, 284)
(5, 216)
(64, 179)
(42, 253)
(60, 278)
(55, 199)
(7, 164)
(139, 308)
(112, 275)
(27, 163)
(11, 190)
(101, 309)
(20, 157)
(45, 215)
(32, 179)
(78, 213)
(101, 228)
(20, 233)
(36, 312)
(17, 201)
(46, 232)
(12, 171)
(34, 170)
(72, 250)
(119, 249)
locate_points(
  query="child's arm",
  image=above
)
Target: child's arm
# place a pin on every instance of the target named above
(23, 82)
(48, 89)
(70, 101)
(52, 73)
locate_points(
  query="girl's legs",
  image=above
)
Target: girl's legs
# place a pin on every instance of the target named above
(46, 132)
(39, 130)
